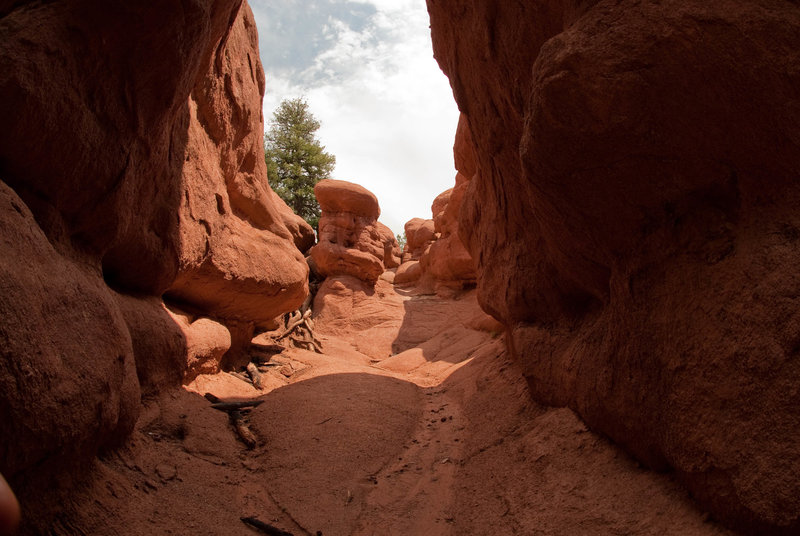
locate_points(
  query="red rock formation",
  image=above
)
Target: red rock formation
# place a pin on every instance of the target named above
(121, 164)
(391, 249)
(368, 314)
(93, 144)
(238, 259)
(419, 235)
(351, 241)
(206, 343)
(635, 217)
(65, 345)
(447, 261)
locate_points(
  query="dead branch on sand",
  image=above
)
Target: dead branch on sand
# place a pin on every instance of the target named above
(236, 411)
(264, 527)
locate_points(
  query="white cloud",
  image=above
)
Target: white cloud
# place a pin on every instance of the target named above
(386, 109)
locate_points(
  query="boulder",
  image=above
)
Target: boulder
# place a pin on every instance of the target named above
(351, 241)
(419, 235)
(342, 196)
(634, 217)
(408, 272)
(206, 342)
(238, 260)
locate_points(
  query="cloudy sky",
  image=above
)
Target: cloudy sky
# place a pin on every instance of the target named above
(366, 68)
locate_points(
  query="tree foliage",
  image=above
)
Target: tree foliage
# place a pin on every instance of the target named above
(296, 160)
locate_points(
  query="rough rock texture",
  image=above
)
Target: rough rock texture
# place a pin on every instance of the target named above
(302, 233)
(635, 220)
(159, 344)
(447, 262)
(435, 255)
(408, 272)
(119, 165)
(206, 342)
(419, 235)
(238, 259)
(368, 315)
(68, 384)
(391, 249)
(95, 128)
(351, 240)
(92, 145)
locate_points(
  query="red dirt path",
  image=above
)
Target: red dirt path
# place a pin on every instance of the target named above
(441, 439)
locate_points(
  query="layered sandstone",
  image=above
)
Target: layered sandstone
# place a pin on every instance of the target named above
(122, 167)
(636, 227)
(351, 240)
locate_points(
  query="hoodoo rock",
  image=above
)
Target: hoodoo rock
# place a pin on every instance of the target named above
(420, 234)
(635, 220)
(351, 241)
(238, 259)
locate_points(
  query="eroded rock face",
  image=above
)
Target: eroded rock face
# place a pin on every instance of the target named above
(238, 261)
(635, 218)
(419, 235)
(365, 313)
(92, 150)
(351, 241)
(121, 165)
(206, 342)
(447, 261)
(68, 383)
(96, 128)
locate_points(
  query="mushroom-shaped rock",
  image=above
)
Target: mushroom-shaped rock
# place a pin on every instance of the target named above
(351, 241)
(342, 196)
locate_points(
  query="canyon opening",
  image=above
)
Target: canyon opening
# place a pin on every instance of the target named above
(595, 330)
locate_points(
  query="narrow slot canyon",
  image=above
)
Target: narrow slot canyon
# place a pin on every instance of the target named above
(596, 331)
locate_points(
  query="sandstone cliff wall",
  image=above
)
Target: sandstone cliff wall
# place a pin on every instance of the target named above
(130, 155)
(635, 220)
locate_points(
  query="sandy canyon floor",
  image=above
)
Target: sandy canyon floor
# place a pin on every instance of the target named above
(439, 439)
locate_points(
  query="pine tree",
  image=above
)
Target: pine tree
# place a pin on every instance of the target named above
(296, 160)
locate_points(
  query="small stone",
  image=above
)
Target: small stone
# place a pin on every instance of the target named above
(166, 472)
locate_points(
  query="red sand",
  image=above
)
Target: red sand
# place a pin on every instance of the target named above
(440, 439)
